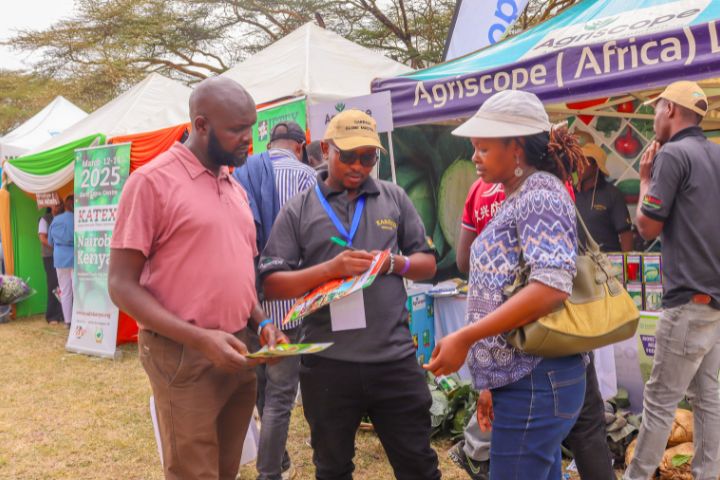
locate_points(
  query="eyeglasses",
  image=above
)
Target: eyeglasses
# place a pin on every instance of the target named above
(348, 157)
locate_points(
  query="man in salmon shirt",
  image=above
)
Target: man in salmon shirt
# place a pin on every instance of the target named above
(182, 265)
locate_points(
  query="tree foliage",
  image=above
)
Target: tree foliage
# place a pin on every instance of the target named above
(108, 45)
(25, 94)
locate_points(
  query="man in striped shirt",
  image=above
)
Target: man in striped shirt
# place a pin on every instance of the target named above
(278, 383)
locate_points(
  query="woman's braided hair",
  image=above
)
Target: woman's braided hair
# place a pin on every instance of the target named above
(557, 152)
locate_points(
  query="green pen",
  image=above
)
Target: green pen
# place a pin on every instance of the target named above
(341, 242)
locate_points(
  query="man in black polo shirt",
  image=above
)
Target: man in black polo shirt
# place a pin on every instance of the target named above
(602, 205)
(371, 368)
(680, 194)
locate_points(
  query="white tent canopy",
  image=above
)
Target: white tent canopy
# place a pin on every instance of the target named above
(48, 122)
(156, 102)
(315, 62)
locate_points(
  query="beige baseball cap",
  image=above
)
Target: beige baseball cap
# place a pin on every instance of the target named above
(591, 150)
(686, 94)
(510, 113)
(353, 129)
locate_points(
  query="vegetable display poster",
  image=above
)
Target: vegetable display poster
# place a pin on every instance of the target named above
(100, 174)
(335, 290)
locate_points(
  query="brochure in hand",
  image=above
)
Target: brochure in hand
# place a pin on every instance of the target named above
(335, 290)
(289, 349)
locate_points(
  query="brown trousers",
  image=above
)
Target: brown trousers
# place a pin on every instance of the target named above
(203, 412)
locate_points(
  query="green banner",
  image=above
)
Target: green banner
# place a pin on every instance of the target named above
(291, 111)
(100, 174)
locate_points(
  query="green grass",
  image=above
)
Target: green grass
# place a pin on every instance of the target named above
(69, 416)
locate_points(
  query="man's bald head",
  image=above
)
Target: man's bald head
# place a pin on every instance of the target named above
(222, 114)
(218, 93)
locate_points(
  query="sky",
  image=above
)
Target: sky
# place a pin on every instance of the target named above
(34, 14)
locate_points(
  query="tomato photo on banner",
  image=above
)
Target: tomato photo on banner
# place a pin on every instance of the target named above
(100, 175)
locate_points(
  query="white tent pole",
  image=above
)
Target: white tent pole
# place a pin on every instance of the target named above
(392, 158)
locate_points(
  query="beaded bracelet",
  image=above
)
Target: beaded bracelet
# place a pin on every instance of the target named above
(392, 265)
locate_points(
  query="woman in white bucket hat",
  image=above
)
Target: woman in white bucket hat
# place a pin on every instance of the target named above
(535, 401)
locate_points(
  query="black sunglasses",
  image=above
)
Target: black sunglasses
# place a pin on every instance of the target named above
(349, 157)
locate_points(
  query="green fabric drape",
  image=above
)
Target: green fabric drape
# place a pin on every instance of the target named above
(24, 218)
(50, 161)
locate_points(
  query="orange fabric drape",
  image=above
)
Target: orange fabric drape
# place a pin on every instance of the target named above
(144, 147)
(148, 145)
(6, 231)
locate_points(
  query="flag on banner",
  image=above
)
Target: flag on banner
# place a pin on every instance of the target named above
(479, 23)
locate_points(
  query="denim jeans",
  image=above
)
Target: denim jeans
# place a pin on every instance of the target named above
(687, 359)
(281, 384)
(587, 439)
(533, 416)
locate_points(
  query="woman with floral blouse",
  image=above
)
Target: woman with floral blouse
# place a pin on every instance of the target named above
(534, 401)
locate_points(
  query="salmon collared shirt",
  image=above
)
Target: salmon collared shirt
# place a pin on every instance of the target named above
(198, 235)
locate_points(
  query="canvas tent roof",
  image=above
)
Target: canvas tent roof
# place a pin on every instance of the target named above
(315, 62)
(596, 48)
(154, 103)
(41, 127)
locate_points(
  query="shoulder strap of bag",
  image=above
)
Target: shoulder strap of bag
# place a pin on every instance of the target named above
(522, 275)
(590, 243)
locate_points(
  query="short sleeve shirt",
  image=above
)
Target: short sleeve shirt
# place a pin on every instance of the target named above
(291, 178)
(539, 221)
(300, 238)
(684, 193)
(61, 235)
(482, 202)
(198, 235)
(605, 213)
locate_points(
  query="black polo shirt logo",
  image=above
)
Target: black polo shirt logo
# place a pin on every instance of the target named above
(387, 224)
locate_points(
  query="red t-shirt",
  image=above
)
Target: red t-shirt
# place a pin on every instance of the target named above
(483, 201)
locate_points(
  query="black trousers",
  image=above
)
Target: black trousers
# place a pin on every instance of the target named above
(53, 310)
(394, 395)
(587, 440)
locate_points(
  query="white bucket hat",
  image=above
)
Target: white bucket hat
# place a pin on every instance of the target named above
(510, 113)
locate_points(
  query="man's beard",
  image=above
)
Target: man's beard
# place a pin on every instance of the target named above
(221, 157)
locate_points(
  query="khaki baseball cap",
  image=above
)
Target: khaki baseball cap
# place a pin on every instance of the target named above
(591, 150)
(686, 94)
(353, 129)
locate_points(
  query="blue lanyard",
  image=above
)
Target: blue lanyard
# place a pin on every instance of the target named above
(336, 221)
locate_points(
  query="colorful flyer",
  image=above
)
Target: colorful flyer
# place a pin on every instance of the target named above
(633, 268)
(289, 350)
(636, 293)
(617, 260)
(652, 268)
(335, 289)
(653, 298)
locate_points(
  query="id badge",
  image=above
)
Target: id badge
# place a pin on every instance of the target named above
(348, 313)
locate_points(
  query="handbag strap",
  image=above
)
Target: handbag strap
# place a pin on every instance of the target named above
(590, 243)
(590, 246)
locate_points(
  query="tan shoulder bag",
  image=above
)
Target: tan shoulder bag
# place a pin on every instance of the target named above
(599, 311)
